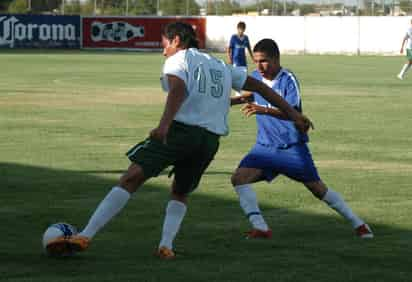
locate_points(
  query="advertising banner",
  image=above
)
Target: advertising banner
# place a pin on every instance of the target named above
(39, 31)
(133, 32)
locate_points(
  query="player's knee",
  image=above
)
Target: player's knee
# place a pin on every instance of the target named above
(177, 196)
(236, 179)
(318, 189)
(132, 179)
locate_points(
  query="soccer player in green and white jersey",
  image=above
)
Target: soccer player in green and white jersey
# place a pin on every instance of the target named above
(187, 137)
(407, 38)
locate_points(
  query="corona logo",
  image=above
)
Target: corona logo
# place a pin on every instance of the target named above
(12, 30)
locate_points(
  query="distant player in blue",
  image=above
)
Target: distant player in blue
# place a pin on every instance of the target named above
(280, 148)
(236, 51)
(237, 45)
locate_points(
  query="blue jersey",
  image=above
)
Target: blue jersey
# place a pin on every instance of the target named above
(238, 46)
(272, 131)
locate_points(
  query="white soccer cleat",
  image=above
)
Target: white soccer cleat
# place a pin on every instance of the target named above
(400, 76)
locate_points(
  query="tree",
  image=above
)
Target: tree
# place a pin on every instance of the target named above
(406, 5)
(179, 7)
(45, 5)
(145, 7)
(4, 5)
(73, 7)
(307, 9)
(118, 7)
(18, 7)
(223, 7)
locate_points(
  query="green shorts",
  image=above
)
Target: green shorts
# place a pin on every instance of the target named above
(190, 149)
(409, 54)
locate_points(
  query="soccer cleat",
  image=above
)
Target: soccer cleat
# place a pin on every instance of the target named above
(59, 248)
(256, 233)
(78, 243)
(165, 253)
(63, 246)
(364, 231)
(400, 76)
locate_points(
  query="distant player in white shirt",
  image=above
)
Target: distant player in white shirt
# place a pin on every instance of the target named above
(187, 137)
(407, 39)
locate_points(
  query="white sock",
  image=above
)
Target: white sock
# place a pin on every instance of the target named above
(175, 212)
(335, 201)
(405, 68)
(248, 202)
(114, 201)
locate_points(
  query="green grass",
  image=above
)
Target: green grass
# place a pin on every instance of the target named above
(66, 119)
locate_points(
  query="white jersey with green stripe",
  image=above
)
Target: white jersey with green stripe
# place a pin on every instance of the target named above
(409, 37)
(208, 82)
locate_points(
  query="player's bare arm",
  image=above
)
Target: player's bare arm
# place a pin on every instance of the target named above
(175, 99)
(252, 109)
(250, 52)
(403, 43)
(302, 123)
(246, 97)
(229, 55)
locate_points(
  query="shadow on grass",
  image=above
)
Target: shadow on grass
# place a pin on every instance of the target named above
(305, 247)
(165, 172)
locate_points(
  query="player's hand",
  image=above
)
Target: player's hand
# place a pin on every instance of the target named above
(304, 124)
(246, 98)
(160, 134)
(401, 50)
(252, 109)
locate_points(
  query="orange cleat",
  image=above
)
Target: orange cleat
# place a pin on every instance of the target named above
(165, 253)
(256, 233)
(364, 231)
(65, 246)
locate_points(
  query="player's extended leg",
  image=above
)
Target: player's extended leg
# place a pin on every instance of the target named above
(188, 173)
(115, 200)
(241, 180)
(336, 202)
(175, 212)
(405, 67)
(111, 205)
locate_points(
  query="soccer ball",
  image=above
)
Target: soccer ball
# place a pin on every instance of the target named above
(58, 230)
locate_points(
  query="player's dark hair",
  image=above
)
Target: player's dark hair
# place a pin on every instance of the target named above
(185, 32)
(241, 25)
(269, 47)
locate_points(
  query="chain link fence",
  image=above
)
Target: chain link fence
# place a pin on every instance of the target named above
(212, 7)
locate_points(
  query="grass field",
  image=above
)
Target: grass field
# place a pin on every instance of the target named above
(66, 119)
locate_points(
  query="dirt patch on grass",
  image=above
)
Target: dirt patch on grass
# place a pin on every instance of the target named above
(143, 96)
(391, 167)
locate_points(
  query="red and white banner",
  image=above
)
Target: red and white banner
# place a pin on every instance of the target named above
(133, 32)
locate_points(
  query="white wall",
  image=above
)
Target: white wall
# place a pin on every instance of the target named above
(314, 35)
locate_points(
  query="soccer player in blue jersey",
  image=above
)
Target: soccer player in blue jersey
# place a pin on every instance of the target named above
(236, 51)
(280, 148)
(237, 45)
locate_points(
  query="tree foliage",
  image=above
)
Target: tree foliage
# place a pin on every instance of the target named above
(406, 5)
(4, 5)
(18, 7)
